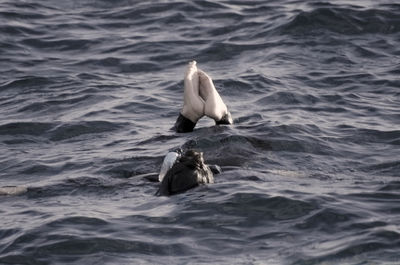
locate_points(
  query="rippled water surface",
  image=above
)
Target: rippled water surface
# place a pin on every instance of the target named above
(90, 89)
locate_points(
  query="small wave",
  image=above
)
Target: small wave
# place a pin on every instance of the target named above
(142, 105)
(252, 83)
(60, 44)
(361, 135)
(58, 132)
(348, 21)
(65, 249)
(27, 82)
(220, 51)
(120, 65)
(129, 167)
(340, 80)
(287, 98)
(36, 168)
(347, 251)
(77, 220)
(391, 186)
(77, 186)
(21, 30)
(144, 10)
(327, 219)
(387, 168)
(56, 105)
(25, 128)
(251, 209)
(72, 130)
(376, 196)
(27, 14)
(230, 149)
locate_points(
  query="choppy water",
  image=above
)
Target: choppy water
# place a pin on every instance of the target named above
(90, 89)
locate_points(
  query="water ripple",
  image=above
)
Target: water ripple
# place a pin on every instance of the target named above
(89, 91)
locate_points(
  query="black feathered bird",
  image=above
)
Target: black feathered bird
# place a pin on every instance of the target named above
(188, 172)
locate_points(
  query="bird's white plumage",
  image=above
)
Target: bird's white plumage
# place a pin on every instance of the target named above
(168, 162)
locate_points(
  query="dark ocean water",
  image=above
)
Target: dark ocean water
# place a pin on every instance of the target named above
(311, 168)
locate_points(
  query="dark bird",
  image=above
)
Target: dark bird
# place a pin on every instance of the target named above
(188, 172)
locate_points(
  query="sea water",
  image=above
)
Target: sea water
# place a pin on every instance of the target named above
(89, 92)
